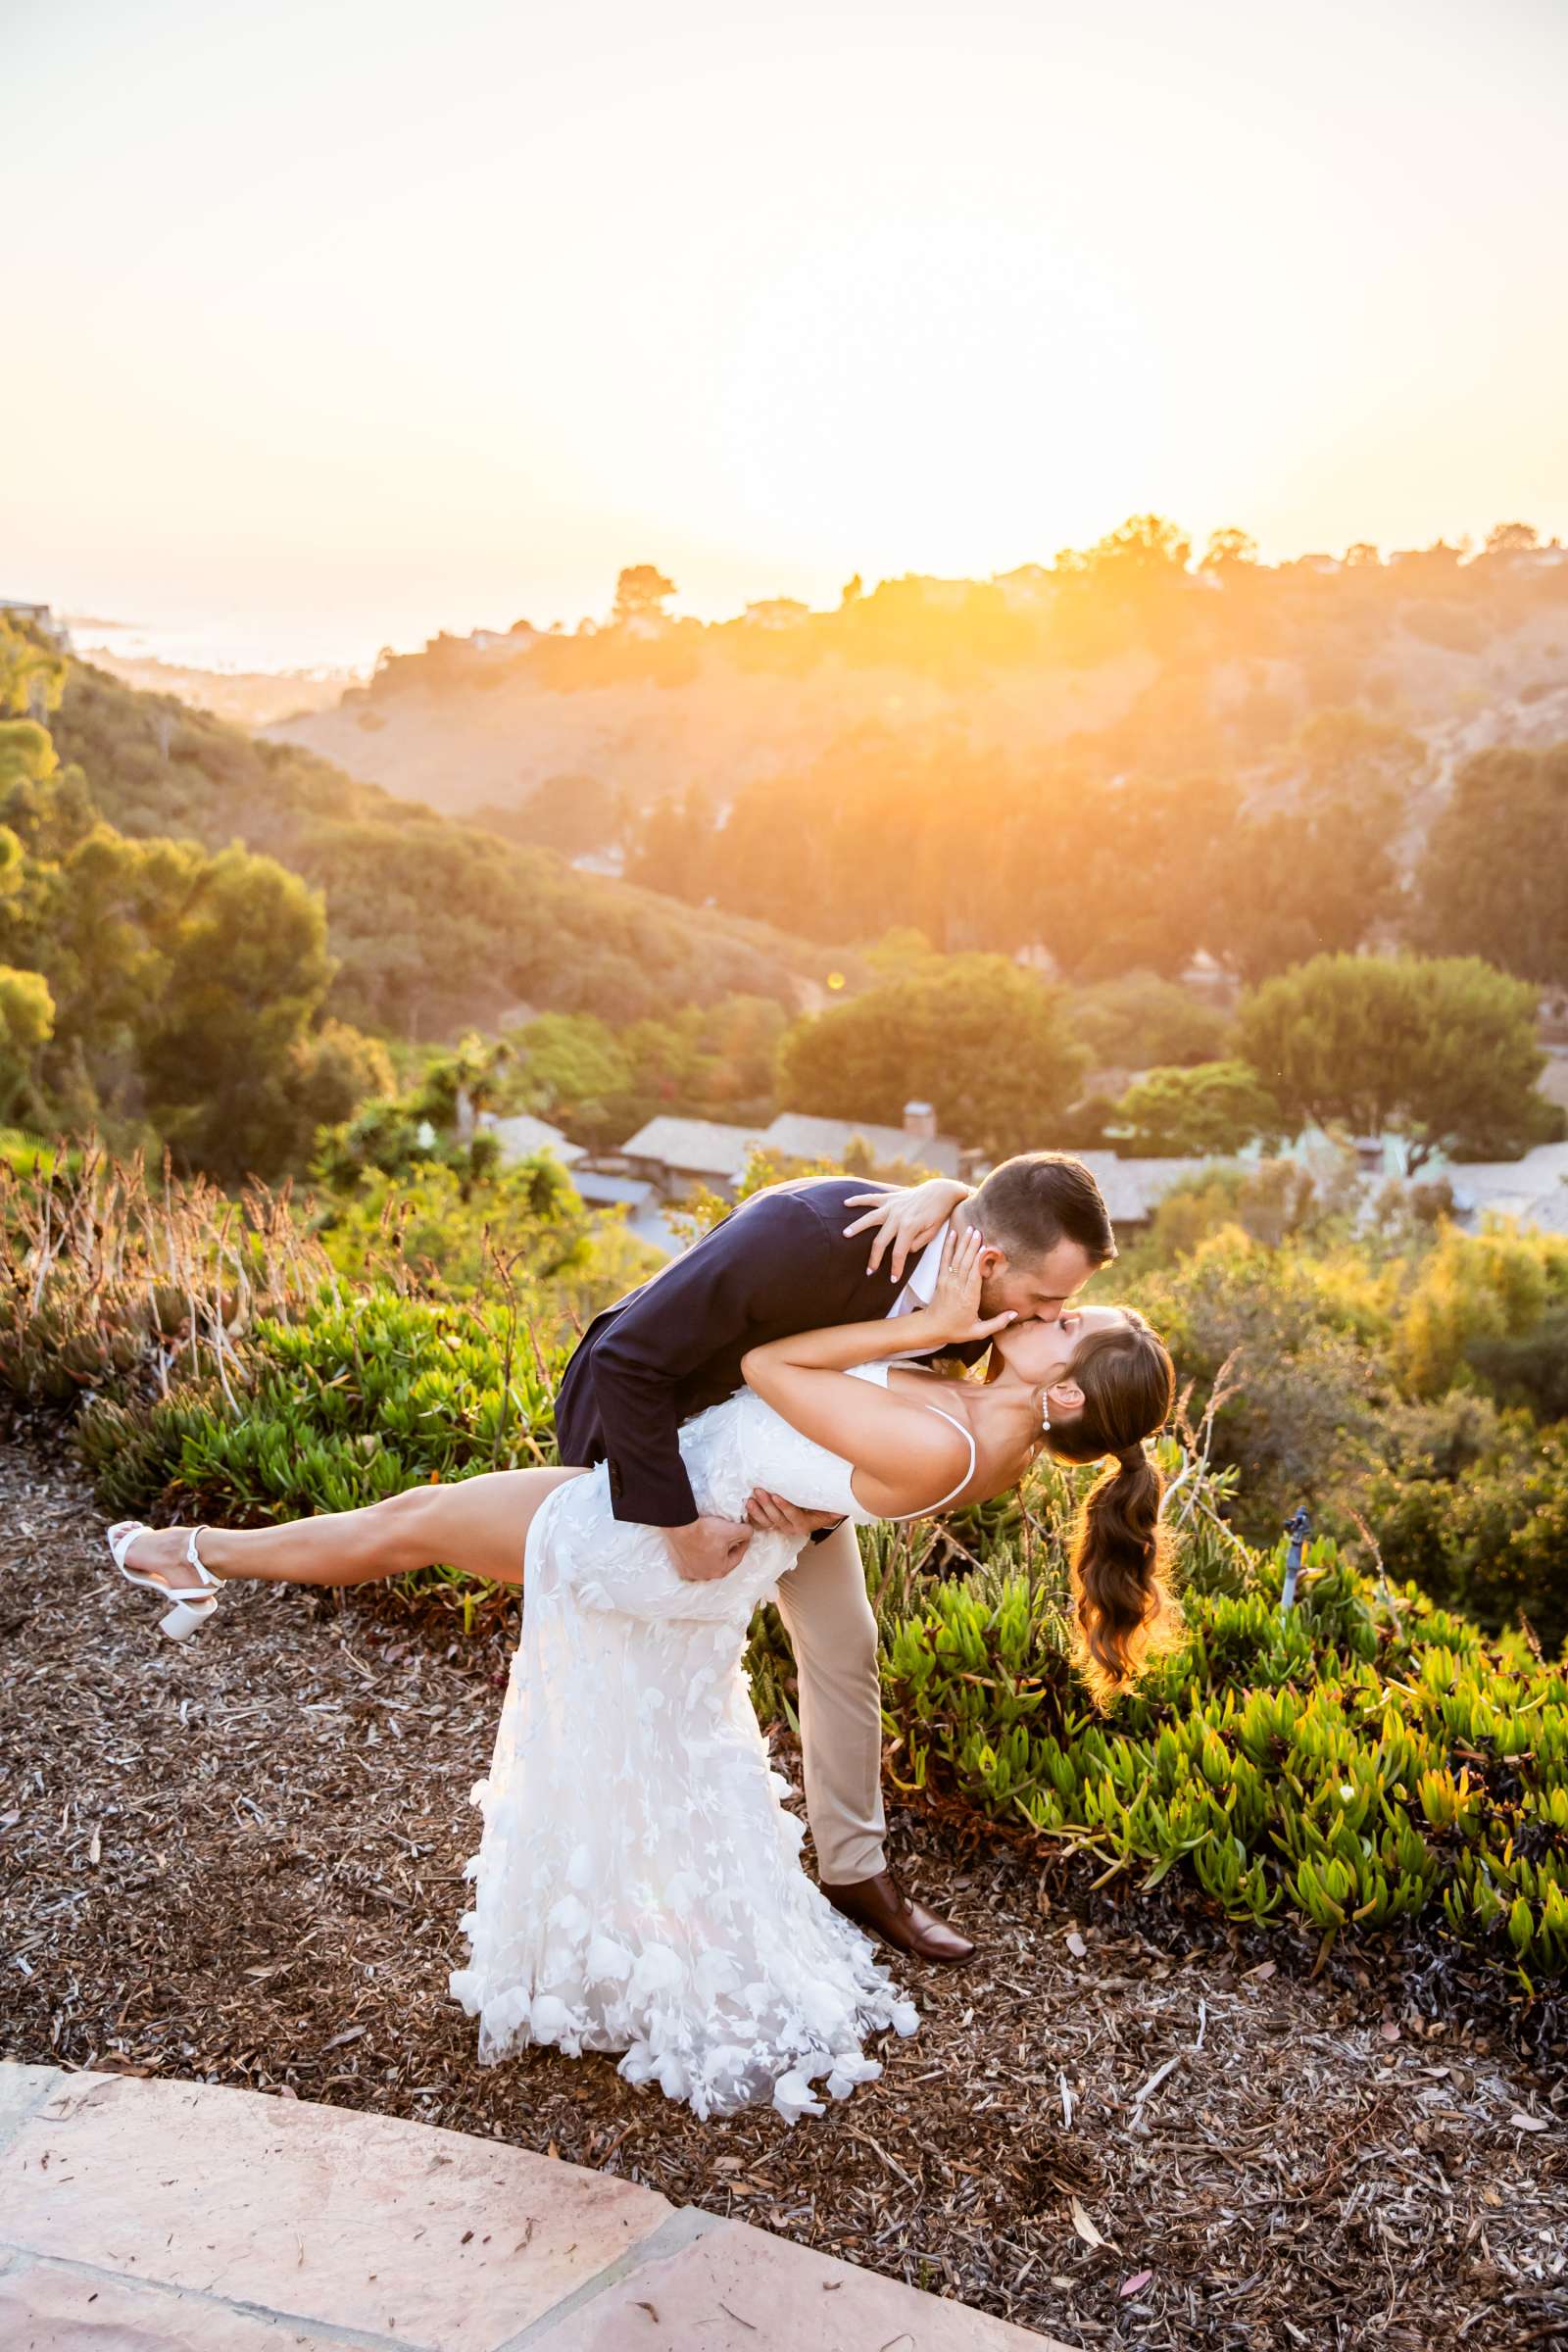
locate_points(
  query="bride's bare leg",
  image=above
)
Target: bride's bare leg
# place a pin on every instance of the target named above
(478, 1524)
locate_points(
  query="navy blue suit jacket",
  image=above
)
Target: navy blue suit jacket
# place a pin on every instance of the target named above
(778, 1264)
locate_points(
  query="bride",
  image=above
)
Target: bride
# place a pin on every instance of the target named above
(637, 1886)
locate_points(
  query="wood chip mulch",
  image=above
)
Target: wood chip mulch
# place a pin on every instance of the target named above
(240, 1861)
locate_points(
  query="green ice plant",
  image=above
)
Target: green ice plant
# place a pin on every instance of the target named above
(1349, 1765)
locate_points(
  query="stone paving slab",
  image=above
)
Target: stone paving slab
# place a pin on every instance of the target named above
(52, 2307)
(158, 2216)
(407, 2231)
(736, 2288)
(22, 2090)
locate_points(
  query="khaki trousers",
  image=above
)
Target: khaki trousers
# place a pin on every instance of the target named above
(822, 1600)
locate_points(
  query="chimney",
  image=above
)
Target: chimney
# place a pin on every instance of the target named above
(921, 1120)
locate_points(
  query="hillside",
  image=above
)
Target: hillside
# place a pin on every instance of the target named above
(246, 698)
(462, 742)
(1125, 658)
(437, 925)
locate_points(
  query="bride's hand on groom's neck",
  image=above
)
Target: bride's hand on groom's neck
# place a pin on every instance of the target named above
(954, 1313)
(904, 1220)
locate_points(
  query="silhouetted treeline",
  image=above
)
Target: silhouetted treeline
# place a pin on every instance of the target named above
(1143, 587)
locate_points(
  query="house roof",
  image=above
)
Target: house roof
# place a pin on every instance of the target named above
(1535, 1188)
(798, 1136)
(520, 1137)
(1133, 1189)
(695, 1147)
(630, 1192)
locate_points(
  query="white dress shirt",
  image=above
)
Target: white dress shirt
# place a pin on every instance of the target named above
(920, 1284)
(919, 1288)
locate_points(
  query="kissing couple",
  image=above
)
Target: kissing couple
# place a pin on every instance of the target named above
(724, 1429)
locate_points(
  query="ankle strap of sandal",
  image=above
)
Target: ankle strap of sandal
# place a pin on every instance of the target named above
(195, 1557)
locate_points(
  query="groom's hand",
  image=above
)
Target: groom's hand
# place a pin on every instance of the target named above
(708, 1548)
(780, 1518)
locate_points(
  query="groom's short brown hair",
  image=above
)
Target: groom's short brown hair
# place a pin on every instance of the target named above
(1027, 1204)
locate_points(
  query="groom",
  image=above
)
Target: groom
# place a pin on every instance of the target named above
(784, 1263)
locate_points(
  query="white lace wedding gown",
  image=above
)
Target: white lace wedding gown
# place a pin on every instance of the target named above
(638, 1884)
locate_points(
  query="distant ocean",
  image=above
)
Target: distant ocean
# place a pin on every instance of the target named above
(231, 644)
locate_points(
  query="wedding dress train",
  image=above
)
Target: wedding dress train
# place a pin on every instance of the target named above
(638, 1886)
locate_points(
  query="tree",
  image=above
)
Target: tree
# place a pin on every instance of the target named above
(26, 1024)
(670, 845)
(33, 674)
(1348, 756)
(985, 1042)
(1319, 874)
(476, 1068)
(741, 1039)
(641, 594)
(571, 1066)
(245, 970)
(901, 949)
(1226, 549)
(1144, 546)
(1111, 877)
(330, 1074)
(1218, 1107)
(1293, 883)
(1141, 1022)
(94, 925)
(26, 756)
(1491, 882)
(1512, 538)
(1441, 1050)
(570, 813)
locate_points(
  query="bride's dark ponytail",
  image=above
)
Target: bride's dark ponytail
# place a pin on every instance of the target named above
(1126, 1609)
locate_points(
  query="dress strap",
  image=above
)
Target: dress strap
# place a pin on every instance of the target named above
(967, 1436)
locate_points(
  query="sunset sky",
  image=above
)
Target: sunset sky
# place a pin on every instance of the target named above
(333, 324)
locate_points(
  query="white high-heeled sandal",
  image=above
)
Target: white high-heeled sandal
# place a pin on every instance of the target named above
(193, 1606)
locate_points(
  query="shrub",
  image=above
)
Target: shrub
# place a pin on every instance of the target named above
(1304, 1412)
(346, 1400)
(1474, 1289)
(1474, 1504)
(1363, 1759)
(438, 1230)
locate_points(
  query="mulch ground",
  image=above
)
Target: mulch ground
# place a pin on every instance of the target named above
(240, 1861)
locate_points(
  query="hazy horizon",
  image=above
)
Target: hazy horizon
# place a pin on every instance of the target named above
(335, 335)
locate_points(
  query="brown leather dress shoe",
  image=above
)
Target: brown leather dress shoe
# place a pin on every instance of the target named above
(881, 1906)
